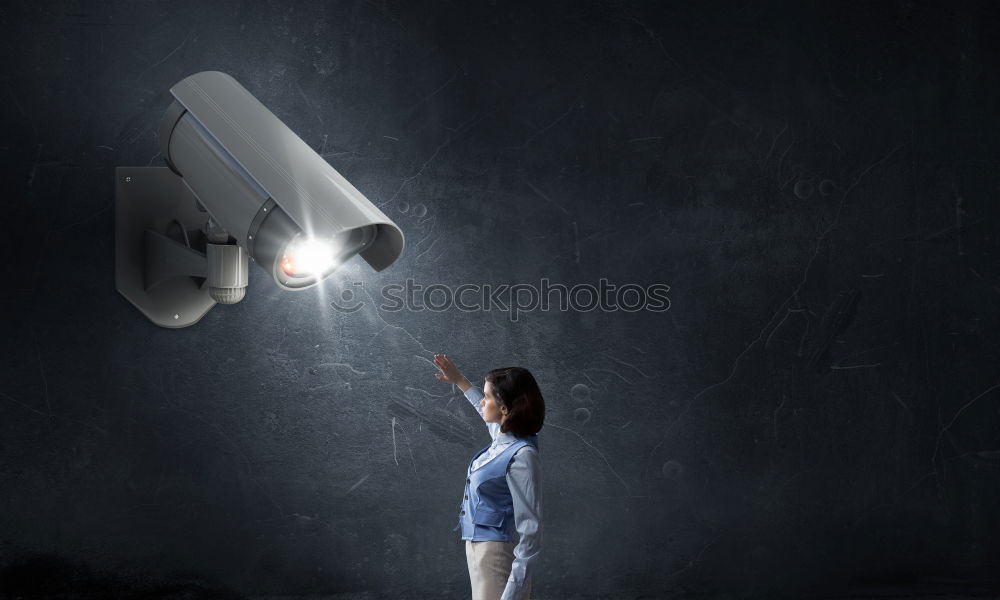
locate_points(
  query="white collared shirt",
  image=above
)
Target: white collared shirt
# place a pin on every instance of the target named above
(524, 478)
(500, 443)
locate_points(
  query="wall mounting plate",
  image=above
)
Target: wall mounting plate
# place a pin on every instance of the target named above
(151, 198)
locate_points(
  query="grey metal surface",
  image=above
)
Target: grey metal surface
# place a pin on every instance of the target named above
(148, 199)
(226, 193)
(316, 197)
(227, 272)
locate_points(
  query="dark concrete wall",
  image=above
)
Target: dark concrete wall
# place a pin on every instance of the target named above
(816, 182)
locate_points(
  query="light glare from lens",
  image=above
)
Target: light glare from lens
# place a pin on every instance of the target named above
(307, 257)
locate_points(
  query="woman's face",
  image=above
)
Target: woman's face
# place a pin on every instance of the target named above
(492, 411)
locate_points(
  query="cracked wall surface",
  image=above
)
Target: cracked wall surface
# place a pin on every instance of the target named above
(816, 406)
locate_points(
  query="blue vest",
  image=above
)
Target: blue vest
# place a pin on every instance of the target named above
(487, 510)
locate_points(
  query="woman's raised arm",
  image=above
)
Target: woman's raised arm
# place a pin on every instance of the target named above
(450, 373)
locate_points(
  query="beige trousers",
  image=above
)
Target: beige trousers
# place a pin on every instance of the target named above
(489, 568)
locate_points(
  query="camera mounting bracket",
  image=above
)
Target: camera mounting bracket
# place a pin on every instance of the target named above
(162, 277)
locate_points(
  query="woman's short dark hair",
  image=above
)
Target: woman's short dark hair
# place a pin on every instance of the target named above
(516, 389)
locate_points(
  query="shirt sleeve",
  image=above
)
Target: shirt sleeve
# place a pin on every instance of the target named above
(524, 477)
(474, 395)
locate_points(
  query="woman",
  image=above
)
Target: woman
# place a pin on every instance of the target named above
(503, 483)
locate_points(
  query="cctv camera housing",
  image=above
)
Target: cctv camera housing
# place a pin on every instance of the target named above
(239, 184)
(265, 186)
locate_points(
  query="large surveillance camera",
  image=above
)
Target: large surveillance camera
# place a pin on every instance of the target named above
(238, 183)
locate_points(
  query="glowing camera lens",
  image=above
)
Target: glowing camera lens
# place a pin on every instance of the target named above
(308, 256)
